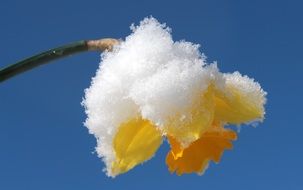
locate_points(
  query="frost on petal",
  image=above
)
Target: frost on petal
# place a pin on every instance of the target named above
(201, 116)
(240, 101)
(195, 158)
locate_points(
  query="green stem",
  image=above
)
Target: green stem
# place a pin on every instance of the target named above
(53, 54)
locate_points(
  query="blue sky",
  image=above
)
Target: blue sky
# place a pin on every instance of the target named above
(43, 144)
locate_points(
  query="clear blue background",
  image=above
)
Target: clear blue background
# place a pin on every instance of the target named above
(43, 144)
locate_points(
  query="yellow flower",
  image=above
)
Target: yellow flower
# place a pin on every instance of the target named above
(150, 89)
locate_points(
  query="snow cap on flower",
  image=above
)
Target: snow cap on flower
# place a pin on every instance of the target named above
(150, 86)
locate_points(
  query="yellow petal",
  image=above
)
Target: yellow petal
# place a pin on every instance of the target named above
(136, 141)
(236, 109)
(195, 158)
(188, 130)
(242, 100)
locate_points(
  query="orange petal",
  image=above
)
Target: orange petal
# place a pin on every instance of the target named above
(195, 158)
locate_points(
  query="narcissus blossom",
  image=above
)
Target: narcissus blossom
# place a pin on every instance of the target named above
(150, 89)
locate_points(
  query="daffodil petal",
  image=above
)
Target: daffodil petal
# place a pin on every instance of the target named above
(242, 100)
(195, 158)
(136, 141)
